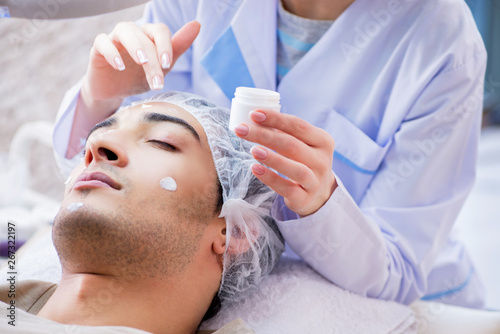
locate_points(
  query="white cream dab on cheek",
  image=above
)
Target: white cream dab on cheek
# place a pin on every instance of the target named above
(168, 183)
(68, 180)
(74, 206)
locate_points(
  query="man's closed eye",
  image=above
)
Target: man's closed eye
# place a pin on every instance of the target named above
(163, 145)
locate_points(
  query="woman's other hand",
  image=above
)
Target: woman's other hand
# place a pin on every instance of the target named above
(296, 149)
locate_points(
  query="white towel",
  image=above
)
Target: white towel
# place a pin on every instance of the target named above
(293, 299)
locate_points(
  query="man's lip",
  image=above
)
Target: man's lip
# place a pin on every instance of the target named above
(95, 179)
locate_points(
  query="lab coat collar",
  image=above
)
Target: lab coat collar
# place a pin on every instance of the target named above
(326, 53)
(241, 55)
(314, 74)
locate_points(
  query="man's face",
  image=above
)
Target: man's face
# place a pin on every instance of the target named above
(116, 217)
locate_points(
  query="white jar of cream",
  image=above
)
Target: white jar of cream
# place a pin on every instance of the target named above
(247, 99)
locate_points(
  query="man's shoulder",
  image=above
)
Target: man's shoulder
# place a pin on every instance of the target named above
(29, 295)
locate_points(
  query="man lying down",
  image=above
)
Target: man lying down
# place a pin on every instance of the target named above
(161, 222)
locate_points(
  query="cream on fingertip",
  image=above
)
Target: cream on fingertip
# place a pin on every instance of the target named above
(165, 61)
(119, 63)
(143, 58)
(157, 83)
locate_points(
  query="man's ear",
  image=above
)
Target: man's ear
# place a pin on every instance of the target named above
(241, 241)
(219, 243)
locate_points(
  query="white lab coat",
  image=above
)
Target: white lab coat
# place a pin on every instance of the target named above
(398, 84)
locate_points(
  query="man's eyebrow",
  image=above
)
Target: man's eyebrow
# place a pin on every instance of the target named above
(104, 124)
(157, 117)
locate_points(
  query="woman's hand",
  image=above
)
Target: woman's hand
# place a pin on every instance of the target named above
(303, 153)
(132, 59)
(129, 61)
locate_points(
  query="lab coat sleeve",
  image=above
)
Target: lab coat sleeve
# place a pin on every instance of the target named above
(385, 246)
(179, 78)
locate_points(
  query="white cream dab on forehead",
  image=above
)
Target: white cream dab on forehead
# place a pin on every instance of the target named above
(74, 206)
(168, 183)
(144, 106)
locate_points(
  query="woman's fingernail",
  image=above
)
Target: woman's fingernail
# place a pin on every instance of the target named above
(157, 83)
(165, 61)
(258, 116)
(241, 129)
(258, 152)
(258, 169)
(119, 63)
(142, 56)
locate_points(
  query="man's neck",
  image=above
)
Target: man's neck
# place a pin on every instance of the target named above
(317, 9)
(146, 304)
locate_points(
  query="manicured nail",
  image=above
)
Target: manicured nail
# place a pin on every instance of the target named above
(258, 169)
(142, 56)
(257, 116)
(157, 84)
(258, 152)
(119, 63)
(241, 129)
(165, 61)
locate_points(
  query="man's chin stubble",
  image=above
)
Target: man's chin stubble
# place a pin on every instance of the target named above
(117, 245)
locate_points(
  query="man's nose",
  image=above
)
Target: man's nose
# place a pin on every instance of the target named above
(106, 149)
